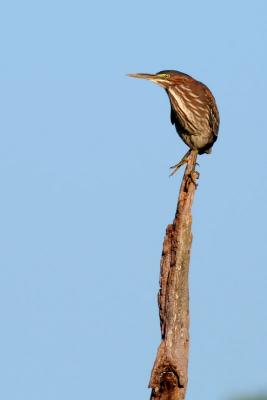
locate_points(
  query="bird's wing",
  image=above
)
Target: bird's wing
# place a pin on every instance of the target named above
(214, 119)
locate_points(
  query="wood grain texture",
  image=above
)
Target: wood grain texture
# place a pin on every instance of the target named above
(169, 375)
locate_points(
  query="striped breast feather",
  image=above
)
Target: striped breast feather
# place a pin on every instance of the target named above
(187, 108)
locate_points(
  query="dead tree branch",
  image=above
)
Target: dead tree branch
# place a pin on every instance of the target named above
(169, 374)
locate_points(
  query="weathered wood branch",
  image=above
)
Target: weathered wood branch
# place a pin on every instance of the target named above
(170, 371)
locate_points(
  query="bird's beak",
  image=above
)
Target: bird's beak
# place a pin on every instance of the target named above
(150, 77)
(142, 76)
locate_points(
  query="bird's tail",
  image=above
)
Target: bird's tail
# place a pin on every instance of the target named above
(208, 151)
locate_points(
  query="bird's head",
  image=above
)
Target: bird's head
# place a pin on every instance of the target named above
(164, 79)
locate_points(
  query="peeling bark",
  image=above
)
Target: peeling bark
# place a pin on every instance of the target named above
(169, 375)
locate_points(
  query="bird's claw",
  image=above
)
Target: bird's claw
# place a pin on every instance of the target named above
(177, 166)
(183, 161)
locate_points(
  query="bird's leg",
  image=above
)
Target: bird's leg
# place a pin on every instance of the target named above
(180, 163)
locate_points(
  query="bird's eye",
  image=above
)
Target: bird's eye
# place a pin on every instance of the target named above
(164, 76)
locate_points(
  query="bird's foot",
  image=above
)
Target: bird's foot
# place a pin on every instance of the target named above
(183, 161)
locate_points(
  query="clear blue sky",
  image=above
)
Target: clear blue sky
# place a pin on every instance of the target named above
(85, 196)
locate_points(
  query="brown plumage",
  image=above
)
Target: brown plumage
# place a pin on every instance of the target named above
(193, 109)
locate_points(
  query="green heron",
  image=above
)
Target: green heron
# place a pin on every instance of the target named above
(193, 110)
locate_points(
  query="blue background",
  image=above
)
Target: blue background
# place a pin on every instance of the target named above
(86, 197)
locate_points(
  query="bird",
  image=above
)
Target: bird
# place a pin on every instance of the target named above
(194, 111)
